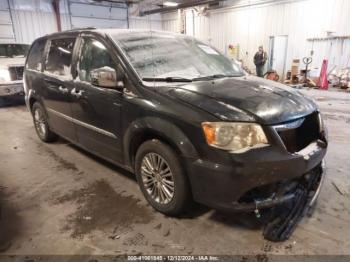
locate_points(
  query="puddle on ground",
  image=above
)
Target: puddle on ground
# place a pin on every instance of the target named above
(101, 208)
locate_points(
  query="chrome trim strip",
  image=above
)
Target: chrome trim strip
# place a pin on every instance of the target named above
(83, 124)
(291, 125)
(318, 190)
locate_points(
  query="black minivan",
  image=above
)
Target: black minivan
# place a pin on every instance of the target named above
(188, 121)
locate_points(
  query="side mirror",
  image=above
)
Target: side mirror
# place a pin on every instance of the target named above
(105, 77)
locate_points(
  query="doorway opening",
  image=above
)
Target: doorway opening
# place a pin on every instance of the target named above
(278, 54)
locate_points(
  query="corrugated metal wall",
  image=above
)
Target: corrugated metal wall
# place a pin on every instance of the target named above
(300, 19)
(170, 22)
(6, 27)
(152, 22)
(34, 18)
(108, 15)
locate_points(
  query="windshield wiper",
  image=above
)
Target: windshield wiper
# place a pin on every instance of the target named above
(217, 76)
(166, 79)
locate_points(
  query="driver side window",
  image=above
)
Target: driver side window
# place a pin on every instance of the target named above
(93, 55)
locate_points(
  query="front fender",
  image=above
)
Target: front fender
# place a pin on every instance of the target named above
(161, 128)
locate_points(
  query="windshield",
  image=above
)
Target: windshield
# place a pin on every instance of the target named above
(159, 55)
(13, 50)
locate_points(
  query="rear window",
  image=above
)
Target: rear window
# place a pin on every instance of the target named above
(35, 56)
(59, 59)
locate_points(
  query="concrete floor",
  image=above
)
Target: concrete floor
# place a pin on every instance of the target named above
(58, 199)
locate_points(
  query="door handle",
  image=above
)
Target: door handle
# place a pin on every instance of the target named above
(77, 93)
(63, 89)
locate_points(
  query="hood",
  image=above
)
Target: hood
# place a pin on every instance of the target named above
(12, 61)
(246, 99)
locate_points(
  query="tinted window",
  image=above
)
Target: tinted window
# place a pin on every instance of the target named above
(35, 55)
(93, 55)
(59, 58)
(13, 50)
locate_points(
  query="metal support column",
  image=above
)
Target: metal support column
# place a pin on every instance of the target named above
(13, 27)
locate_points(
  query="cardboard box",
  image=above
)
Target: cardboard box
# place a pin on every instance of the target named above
(295, 67)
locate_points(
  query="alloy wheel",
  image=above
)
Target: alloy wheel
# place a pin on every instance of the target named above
(39, 121)
(157, 178)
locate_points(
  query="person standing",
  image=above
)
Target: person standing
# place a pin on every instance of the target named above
(260, 59)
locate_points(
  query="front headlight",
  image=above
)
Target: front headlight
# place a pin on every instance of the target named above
(235, 137)
(4, 75)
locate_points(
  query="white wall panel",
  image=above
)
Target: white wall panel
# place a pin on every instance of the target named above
(299, 19)
(87, 14)
(4, 5)
(32, 5)
(95, 11)
(35, 18)
(170, 22)
(151, 22)
(6, 34)
(31, 19)
(31, 25)
(5, 17)
(6, 28)
(65, 17)
(78, 22)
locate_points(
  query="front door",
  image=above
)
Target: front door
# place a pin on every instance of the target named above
(58, 83)
(97, 110)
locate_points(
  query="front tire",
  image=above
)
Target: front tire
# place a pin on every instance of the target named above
(41, 125)
(161, 178)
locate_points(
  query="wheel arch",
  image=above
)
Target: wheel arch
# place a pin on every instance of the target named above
(154, 128)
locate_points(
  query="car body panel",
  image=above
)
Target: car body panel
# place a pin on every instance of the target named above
(98, 111)
(58, 105)
(247, 99)
(14, 87)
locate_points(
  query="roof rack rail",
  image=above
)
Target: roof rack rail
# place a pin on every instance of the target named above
(81, 28)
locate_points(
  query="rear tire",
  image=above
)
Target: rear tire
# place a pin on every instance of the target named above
(161, 178)
(41, 125)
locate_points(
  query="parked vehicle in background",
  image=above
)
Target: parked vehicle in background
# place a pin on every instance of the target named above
(180, 115)
(12, 59)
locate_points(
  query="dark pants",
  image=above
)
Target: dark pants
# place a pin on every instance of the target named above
(260, 71)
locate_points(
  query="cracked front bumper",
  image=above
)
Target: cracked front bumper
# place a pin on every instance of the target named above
(258, 173)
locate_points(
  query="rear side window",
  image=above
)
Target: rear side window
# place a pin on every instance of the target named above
(59, 58)
(35, 56)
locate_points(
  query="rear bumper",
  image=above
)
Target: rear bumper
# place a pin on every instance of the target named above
(11, 89)
(226, 186)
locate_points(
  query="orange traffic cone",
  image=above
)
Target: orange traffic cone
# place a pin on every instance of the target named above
(323, 81)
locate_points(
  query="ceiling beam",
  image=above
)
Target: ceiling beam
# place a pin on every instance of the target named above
(180, 6)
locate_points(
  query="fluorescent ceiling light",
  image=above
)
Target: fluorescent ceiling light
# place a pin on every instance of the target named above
(168, 3)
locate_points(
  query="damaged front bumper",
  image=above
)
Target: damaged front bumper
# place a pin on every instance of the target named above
(259, 179)
(256, 203)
